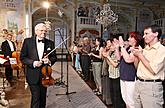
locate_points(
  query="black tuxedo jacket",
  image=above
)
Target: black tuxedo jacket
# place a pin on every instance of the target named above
(6, 48)
(29, 54)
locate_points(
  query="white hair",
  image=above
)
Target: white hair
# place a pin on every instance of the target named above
(39, 26)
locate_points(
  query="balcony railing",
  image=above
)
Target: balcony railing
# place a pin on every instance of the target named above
(161, 23)
(87, 21)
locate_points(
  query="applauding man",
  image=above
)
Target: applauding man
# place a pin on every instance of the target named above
(150, 72)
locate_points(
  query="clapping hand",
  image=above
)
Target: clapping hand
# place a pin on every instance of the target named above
(105, 54)
(90, 54)
(116, 43)
(137, 51)
(121, 41)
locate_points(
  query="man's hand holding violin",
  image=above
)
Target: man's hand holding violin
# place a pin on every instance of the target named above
(37, 63)
(45, 60)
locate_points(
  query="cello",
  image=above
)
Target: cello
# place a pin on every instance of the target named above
(19, 65)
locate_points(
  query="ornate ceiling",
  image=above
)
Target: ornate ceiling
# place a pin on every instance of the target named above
(75, 2)
(68, 6)
(65, 4)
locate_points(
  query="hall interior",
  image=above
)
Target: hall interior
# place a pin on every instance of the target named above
(74, 19)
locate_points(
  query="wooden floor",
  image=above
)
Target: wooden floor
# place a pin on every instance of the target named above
(58, 96)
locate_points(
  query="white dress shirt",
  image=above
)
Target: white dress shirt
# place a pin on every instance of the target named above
(40, 48)
(11, 45)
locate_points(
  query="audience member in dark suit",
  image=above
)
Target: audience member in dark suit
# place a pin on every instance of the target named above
(32, 56)
(8, 47)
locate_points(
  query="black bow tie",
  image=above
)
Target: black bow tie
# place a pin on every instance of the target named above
(41, 41)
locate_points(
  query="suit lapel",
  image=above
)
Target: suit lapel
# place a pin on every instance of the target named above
(35, 47)
(14, 46)
(8, 46)
(45, 48)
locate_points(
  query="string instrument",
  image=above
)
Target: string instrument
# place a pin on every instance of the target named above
(47, 79)
(19, 65)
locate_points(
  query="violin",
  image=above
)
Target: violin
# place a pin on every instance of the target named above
(47, 79)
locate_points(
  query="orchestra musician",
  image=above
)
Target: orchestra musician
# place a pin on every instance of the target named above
(8, 47)
(32, 54)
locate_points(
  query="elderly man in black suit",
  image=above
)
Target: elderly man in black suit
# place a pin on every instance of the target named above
(32, 56)
(8, 47)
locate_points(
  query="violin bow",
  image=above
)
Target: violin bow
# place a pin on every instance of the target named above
(56, 47)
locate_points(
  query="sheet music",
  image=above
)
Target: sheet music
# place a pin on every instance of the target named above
(2, 61)
(13, 60)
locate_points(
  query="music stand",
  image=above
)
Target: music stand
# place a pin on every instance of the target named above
(4, 80)
(2, 93)
(68, 53)
(61, 77)
(2, 70)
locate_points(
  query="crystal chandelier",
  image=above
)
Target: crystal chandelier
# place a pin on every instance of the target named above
(48, 25)
(106, 16)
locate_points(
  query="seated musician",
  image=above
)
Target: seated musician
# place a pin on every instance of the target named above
(8, 47)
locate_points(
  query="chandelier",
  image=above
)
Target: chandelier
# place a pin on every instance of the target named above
(106, 16)
(46, 5)
(48, 25)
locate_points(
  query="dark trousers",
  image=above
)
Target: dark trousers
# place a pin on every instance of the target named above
(74, 59)
(38, 99)
(85, 64)
(164, 91)
(8, 72)
(106, 90)
(115, 91)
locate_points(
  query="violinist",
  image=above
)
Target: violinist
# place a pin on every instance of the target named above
(32, 56)
(8, 47)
